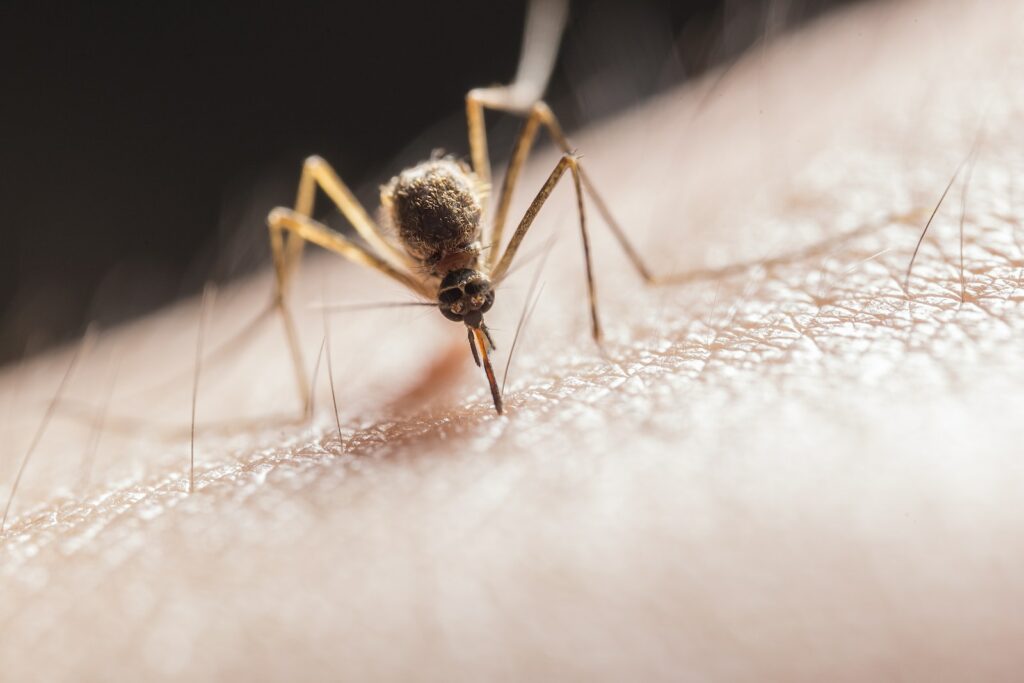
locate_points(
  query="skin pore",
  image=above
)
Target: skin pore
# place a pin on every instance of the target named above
(794, 468)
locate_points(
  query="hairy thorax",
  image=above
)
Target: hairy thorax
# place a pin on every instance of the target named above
(434, 209)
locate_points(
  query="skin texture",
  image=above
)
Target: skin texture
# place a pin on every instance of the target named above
(786, 467)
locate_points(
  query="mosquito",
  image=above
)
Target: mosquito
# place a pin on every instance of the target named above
(433, 240)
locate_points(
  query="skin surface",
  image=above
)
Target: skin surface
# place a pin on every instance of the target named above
(793, 469)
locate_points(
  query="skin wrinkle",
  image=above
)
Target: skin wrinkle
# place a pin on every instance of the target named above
(708, 510)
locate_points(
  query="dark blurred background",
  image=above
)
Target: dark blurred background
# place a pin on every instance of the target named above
(142, 143)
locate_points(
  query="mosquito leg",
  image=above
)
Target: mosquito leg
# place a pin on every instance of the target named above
(318, 173)
(545, 20)
(287, 240)
(477, 132)
(302, 228)
(476, 102)
(554, 129)
(570, 163)
(500, 99)
(287, 250)
(286, 221)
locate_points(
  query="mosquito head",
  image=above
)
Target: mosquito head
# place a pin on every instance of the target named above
(465, 295)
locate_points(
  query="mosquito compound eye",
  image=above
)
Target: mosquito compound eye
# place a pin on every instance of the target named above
(451, 315)
(449, 296)
(488, 302)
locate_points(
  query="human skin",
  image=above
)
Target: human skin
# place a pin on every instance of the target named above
(785, 467)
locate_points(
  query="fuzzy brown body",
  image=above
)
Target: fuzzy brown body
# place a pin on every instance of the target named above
(434, 209)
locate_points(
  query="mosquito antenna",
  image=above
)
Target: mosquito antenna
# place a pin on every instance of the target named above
(87, 341)
(330, 376)
(542, 35)
(334, 308)
(209, 294)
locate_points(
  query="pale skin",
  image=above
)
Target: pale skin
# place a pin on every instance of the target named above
(793, 469)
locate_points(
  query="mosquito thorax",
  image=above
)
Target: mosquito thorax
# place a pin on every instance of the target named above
(465, 295)
(434, 208)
